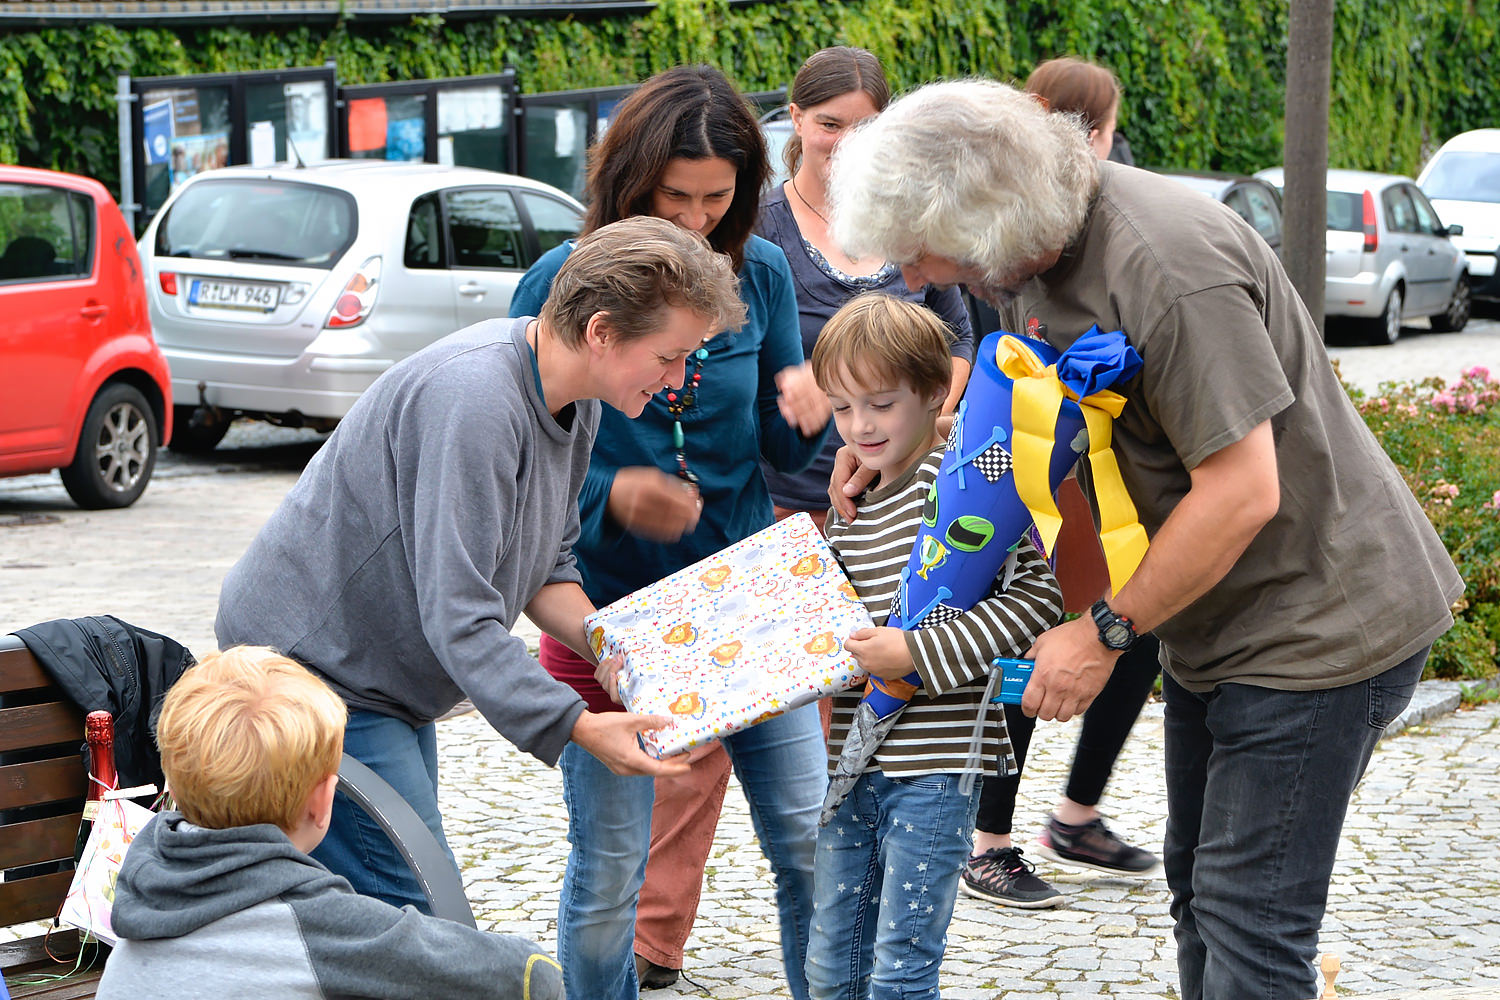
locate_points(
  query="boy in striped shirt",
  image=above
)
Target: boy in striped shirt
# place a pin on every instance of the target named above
(887, 868)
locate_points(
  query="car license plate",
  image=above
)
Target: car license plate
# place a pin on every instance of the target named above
(233, 295)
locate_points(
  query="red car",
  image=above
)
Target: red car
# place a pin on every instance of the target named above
(83, 387)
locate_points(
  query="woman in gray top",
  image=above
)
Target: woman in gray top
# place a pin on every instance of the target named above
(836, 89)
(446, 502)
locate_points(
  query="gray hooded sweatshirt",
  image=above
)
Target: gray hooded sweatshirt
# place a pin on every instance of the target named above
(223, 914)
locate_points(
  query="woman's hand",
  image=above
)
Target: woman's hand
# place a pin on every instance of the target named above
(881, 651)
(803, 405)
(607, 673)
(847, 481)
(645, 501)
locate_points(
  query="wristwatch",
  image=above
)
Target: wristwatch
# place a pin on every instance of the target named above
(1115, 631)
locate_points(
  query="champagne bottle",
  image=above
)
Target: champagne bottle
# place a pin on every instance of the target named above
(99, 731)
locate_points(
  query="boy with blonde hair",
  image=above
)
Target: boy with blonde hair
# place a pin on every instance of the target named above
(220, 900)
(888, 863)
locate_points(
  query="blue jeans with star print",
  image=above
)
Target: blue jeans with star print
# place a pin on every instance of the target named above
(884, 883)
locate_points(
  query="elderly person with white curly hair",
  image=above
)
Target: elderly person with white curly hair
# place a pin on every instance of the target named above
(1294, 582)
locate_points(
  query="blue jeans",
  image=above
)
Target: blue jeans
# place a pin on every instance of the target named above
(782, 766)
(1258, 782)
(884, 887)
(355, 846)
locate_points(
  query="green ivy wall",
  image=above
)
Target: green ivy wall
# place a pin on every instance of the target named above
(1202, 78)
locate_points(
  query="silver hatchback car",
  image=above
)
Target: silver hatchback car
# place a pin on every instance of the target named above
(1390, 258)
(281, 293)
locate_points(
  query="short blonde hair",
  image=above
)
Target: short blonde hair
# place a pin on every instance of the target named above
(971, 170)
(878, 339)
(636, 269)
(245, 736)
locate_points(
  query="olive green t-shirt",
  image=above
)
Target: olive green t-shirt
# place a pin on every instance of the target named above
(1349, 577)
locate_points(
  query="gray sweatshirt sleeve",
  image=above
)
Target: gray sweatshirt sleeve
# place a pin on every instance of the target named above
(458, 470)
(362, 947)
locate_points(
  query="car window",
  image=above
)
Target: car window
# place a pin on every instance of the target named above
(1263, 214)
(302, 225)
(485, 228)
(45, 233)
(1464, 176)
(1427, 217)
(553, 221)
(424, 234)
(1235, 199)
(1345, 211)
(1400, 217)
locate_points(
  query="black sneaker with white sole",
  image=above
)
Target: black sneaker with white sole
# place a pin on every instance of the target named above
(1093, 845)
(1002, 876)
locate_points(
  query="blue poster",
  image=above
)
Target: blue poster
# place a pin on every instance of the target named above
(157, 126)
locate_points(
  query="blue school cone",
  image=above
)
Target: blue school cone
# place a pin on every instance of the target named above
(1028, 415)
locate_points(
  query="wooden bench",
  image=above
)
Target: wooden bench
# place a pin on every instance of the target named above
(42, 786)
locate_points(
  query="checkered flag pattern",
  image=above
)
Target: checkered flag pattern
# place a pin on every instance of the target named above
(940, 615)
(993, 462)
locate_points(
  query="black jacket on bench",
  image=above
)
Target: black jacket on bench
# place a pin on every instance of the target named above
(104, 663)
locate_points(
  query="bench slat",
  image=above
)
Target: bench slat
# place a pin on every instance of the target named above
(19, 670)
(63, 943)
(79, 987)
(41, 781)
(39, 840)
(28, 959)
(40, 725)
(35, 898)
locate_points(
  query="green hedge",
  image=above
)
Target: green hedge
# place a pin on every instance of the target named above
(1202, 78)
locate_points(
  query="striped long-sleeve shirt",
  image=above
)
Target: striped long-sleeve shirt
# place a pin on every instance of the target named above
(933, 734)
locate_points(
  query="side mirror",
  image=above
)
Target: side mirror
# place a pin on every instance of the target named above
(1455, 230)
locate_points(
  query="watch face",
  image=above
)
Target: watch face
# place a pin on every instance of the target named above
(1117, 635)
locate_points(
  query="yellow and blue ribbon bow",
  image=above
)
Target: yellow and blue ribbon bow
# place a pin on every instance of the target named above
(1080, 375)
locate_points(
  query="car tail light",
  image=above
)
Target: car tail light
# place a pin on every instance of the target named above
(358, 297)
(168, 281)
(1372, 237)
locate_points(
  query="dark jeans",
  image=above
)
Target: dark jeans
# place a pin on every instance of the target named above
(355, 846)
(1258, 782)
(1106, 725)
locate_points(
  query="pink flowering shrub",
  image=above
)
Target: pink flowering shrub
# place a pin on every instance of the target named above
(1444, 436)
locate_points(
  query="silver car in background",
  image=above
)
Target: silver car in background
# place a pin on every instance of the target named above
(1390, 258)
(281, 293)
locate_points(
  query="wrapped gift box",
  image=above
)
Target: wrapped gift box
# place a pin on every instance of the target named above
(747, 634)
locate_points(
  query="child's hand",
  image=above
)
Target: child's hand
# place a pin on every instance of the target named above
(881, 651)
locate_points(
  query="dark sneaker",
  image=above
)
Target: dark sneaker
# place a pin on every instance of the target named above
(1093, 845)
(1002, 876)
(652, 976)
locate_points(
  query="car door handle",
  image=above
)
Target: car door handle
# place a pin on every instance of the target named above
(94, 311)
(472, 289)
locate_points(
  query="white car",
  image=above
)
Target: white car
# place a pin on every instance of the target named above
(1463, 181)
(280, 293)
(1390, 257)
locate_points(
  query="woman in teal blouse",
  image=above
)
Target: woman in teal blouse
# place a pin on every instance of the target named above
(677, 484)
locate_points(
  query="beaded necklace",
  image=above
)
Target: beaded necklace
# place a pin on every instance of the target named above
(678, 400)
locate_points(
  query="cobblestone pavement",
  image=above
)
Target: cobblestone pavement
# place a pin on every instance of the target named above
(1416, 896)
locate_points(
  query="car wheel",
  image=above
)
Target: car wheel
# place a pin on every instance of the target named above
(1386, 328)
(190, 440)
(1456, 316)
(116, 450)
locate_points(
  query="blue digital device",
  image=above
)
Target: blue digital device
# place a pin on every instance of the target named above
(1013, 677)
